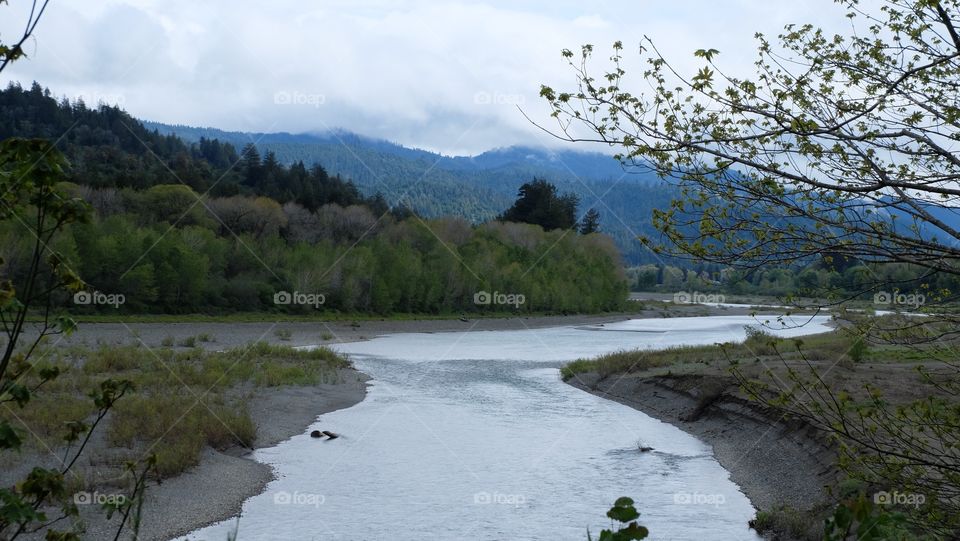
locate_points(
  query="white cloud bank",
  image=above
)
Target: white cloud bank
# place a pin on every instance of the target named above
(445, 76)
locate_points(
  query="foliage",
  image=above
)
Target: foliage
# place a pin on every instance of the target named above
(168, 247)
(218, 264)
(539, 203)
(626, 514)
(840, 151)
(111, 149)
(830, 284)
(847, 156)
(590, 223)
(858, 518)
(30, 171)
(787, 521)
(178, 402)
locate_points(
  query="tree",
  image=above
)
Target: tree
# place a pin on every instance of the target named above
(260, 216)
(251, 166)
(841, 148)
(173, 203)
(539, 203)
(590, 222)
(849, 153)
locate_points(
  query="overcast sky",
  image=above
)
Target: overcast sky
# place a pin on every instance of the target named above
(443, 76)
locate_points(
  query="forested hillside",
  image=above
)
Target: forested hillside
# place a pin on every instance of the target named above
(239, 253)
(193, 227)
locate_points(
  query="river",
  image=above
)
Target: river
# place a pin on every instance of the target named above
(474, 436)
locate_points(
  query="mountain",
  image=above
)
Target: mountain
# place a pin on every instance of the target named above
(315, 147)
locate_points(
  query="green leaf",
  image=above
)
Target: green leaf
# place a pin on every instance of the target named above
(8, 437)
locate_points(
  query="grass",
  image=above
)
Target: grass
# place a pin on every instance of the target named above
(217, 423)
(832, 345)
(799, 525)
(639, 360)
(183, 402)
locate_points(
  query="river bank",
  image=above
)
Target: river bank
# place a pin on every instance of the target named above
(201, 412)
(775, 463)
(215, 489)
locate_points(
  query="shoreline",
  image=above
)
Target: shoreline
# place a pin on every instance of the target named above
(221, 335)
(215, 489)
(775, 463)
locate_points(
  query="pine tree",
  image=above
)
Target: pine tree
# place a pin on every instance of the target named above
(590, 222)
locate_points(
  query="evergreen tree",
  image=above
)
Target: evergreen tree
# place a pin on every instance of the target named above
(590, 222)
(252, 166)
(538, 202)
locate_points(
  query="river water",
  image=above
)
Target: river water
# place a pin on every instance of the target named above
(474, 436)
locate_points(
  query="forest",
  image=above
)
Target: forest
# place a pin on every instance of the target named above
(109, 148)
(836, 279)
(199, 228)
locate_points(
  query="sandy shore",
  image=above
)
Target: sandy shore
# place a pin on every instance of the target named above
(215, 489)
(220, 486)
(774, 463)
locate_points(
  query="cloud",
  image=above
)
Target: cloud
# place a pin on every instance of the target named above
(438, 75)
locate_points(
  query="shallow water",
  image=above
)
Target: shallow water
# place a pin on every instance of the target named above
(474, 436)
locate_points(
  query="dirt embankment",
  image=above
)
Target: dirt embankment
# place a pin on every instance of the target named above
(775, 462)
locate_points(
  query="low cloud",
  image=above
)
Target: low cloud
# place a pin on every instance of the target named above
(442, 76)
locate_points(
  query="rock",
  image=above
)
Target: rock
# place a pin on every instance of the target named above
(330, 435)
(646, 449)
(316, 434)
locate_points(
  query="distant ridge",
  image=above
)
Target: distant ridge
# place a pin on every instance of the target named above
(558, 164)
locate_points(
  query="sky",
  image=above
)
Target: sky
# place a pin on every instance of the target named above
(451, 77)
